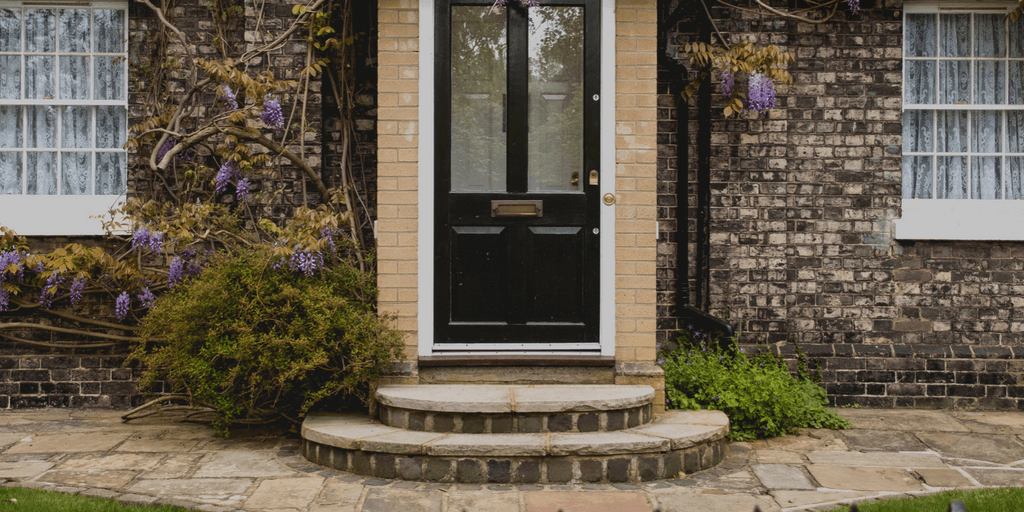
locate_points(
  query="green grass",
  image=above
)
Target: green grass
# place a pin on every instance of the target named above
(986, 500)
(34, 500)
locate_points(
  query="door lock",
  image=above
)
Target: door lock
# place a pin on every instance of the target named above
(575, 178)
(593, 177)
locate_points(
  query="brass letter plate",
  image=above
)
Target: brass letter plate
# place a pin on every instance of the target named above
(508, 208)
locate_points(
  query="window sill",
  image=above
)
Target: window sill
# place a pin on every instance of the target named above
(56, 215)
(961, 219)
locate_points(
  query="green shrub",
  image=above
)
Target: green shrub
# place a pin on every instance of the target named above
(255, 342)
(758, 394)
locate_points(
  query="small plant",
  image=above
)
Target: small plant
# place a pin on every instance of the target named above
(254, 338)
(758, 394)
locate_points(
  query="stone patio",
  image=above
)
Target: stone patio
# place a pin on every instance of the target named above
(161, 460)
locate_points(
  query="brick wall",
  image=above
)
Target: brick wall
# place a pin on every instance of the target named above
(802, 207)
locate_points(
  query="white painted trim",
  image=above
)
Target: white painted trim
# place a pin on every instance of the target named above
(425, 253)
(56, 215)
(960, 219)
(559, 348)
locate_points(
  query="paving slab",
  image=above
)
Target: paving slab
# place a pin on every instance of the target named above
(511, 445)
(176, 465)
(20, 470)
(714, 503)
(808, 440)
(792, 499)
(682, 435)
(237, 463)
(11, 438)
(285, 493)
(343, 430)
(991, 422)
(606, 443)
(401, 500)
(158, 445)
(877, 459)
(69, 443)
(593, 501)
(335, 492)
(864, 478)
(909, 420)
(704, 417)
(778, 457)
(404, 442)
(447, 398)
(987, 447)
(999, 477)
(779, 476)
(484, 502)
(883, 441)
(205, 489)
(105, 479)
(529, 399)
(938, 477)
(130, 461)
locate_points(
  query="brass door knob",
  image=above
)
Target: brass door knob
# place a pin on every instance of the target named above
(609, 199)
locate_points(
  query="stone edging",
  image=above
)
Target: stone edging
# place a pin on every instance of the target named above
(506, 423)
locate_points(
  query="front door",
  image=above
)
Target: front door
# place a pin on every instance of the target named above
(517, 181)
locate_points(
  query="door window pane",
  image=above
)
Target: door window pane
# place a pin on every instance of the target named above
(556, 98)
(479, 72)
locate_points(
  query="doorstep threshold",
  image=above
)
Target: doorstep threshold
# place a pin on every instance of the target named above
(516, 360)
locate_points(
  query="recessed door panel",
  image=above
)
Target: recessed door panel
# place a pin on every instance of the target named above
(555, 274)
(479, 274)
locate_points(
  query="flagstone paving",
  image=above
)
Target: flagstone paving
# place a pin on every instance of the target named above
(159, 459)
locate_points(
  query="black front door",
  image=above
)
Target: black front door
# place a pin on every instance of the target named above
(517, 181)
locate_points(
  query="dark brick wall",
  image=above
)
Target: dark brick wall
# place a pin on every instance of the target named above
(66, 381)
(803, 203)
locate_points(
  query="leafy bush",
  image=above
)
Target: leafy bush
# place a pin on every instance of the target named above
(255, 340)
(758, 394)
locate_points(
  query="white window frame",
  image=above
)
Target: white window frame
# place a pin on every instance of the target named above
(40, 215)
(960, 219)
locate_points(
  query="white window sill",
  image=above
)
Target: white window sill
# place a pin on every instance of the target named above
(961, 219)
(56, 215)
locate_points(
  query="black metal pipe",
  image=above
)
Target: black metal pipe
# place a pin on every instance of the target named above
(703, 173)
(682, 197)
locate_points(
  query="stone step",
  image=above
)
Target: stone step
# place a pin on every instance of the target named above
(515, 408)
(678, 441)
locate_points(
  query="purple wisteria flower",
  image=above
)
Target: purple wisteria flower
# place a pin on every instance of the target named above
(854, 6)
(150, 238)
(228, 171)
(760, 93)
(183, 266)
(229, 98)
(272, 115)
(121, 305)
(7, 260)
(146, 298)
(728, 83)
(242, 189)
(52, 283)
(165, 148)
(77, 286)
(5, 299)
(307, 262)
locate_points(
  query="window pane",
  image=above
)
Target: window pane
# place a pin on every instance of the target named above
(986, 131)
(10, 30)
(956, 35)
(10, 126)
(952, 131)
(1016, 170)
(10, 172)
(989, 35)
(76, 130)
(479, 53)
(111, 173)
(920, 37)
(42, 127)
(74, 176)
(989, 84)
(111, 129)
(74, 30)
(917, 177)
(40, 27)
(952, 177)
(108, 33)
(1016, 37)
(1015, 131)
(986, 178)
(955, 82)
(109, 83)
(41, 173)
(1017, 83)
(10, 77)
(917, 131)
(39, 74)
(74, 77)
(556, 98)
(919, 83)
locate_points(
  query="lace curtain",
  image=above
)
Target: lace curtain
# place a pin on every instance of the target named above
(75, 149)
(963, 59)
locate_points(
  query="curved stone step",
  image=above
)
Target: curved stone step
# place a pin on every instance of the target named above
(515, 409)
(678, 441)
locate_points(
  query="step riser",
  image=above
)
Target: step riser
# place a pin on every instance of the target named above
(629, 468)
(480, 423)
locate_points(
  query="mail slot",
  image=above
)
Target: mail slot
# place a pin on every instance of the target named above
(506, 208)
